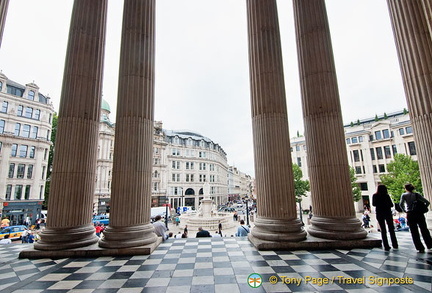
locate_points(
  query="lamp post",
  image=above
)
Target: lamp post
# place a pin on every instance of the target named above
(166, 212)
(247, 212)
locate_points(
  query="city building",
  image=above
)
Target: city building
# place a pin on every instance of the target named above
(25, 140)
(371, 144)
(240, 185)
(183, 161)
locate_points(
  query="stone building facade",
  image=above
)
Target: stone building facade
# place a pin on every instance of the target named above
(25, 139)
(182, 162)
(371, 144)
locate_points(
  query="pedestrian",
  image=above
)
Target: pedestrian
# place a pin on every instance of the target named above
(382, 202)
(220, 228)
(24, 236)
(185, 230)
(415, 219)
(160, 228)
(202, 233)
(6, 240)
(242, 230)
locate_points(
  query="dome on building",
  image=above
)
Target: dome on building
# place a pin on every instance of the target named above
(105, 106)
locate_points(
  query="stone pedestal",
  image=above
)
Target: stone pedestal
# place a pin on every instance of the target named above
(411, 21)
(277, 217)
(73, 178)
(332, 200)
(133, 155)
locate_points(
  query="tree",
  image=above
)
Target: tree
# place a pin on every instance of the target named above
(300, 186)
(356, 191)
(402, 170)
(376, 117)
(50, 160)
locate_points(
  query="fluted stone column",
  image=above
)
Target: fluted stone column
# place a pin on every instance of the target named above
(133, 155)
(277, 217)
(332, 200)
(3, 12)
(411, 21)
(74, 167)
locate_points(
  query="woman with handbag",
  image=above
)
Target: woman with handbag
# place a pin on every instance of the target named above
(382, 202)
(410, 203)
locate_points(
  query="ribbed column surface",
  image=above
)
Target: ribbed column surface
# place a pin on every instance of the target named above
(133, 155)
(3, 12)
(411, 21)
(277, 218)
(332, 200)
(73, 178)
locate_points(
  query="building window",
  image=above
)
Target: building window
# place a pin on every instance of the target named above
(176, 177)
(18, 191)
(27, 192)
(189, 165)
(49, 136)
(297, 148)
(31, 95)
(212, 167)
(408, 130)
(202, 166)
(212, 178)
(14, 150)
(20, 110)
(8, 192)
(394, 149)
(176, 165)
(2, 126)
(360, 138)
(11, 170)
(379, 153)
(354, 140)
(34, 132)
(202, 178)
(381, 168)
(45, 154)
(363, 186)
(1, 86)
(29, 171)
(20, 171)
(401, 131)
(412, 148)
(374, 167)
(4, 107)
(189, 177)
(17, 129)
(49, 121)
(155, 186)
(32, 152)
(378, 135)
(175, 152)
(26, 130)
(28, 112)
(36, 114)
(386, 133)
(23, 151)
(299, 162)
(202, 154)
(356, 156)
(358, 170)
(387, 152)
(43, 172)
(41, 189)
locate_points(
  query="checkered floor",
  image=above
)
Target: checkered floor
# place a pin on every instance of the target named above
(221, 265)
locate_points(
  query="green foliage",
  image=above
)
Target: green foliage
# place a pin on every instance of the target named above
(356, 191)
(300, 186)
(402, 170)
(358, 121)
(385, 116)
(352, 124)
(50, 159)
(376, 117)
(405, 111)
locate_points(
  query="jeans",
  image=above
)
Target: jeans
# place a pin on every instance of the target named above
(382, 220)
(416, 221)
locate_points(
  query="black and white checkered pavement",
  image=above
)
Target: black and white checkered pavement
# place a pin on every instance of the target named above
(221, 265)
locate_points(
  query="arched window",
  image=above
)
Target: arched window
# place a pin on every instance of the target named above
(31, 95)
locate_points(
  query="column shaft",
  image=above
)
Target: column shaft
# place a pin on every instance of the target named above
(411, 21)
(74, 167)
(3, 12)
(277, 219)
(133, 155)
(331, 190)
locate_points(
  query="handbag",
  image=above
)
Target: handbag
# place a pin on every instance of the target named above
(418, 206)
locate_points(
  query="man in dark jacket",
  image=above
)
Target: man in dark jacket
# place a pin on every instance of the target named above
(202, 233)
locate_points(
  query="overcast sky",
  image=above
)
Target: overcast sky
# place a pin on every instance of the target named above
(202, 78)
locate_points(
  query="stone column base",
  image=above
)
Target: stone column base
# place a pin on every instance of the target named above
(314, 243)
(66, 238)
(337, 228)
(91, 251)
(130, 236)
(278, 230)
